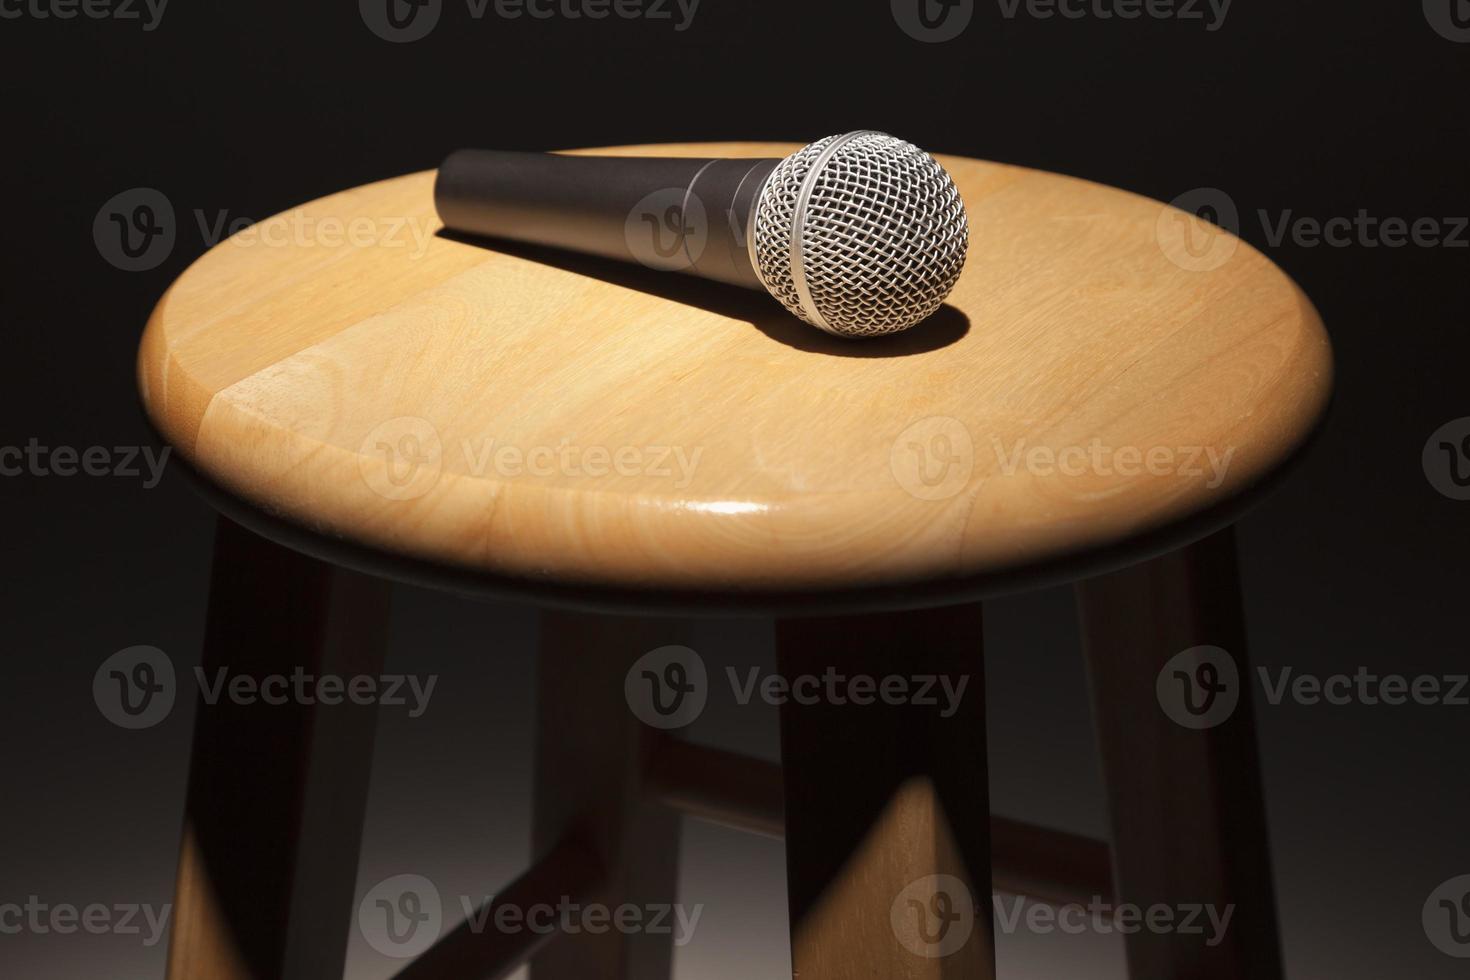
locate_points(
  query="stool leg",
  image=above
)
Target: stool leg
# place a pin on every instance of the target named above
(276, 791)
(887, 805)
(1186, 805)
(591, 759)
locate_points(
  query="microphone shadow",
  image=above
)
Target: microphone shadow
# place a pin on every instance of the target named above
(760, 310)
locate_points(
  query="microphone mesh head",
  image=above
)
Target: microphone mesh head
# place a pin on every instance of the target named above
(861, 234)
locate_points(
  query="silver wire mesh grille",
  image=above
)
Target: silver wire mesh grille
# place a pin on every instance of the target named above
(883, 238)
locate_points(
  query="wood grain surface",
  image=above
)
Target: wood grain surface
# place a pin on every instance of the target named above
(1106, 366)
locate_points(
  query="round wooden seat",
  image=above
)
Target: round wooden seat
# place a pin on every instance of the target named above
(1098, 376)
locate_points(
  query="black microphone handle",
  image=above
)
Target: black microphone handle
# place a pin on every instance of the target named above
(668, 213)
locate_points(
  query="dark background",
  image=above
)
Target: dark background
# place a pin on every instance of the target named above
(1323, 109)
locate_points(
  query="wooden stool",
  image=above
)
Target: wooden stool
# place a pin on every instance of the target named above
(1111, 384)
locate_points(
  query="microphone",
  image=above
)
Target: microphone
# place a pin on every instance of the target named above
(860, 234)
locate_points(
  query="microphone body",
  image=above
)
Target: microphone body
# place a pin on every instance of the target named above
(859, 234)
(675, 214)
